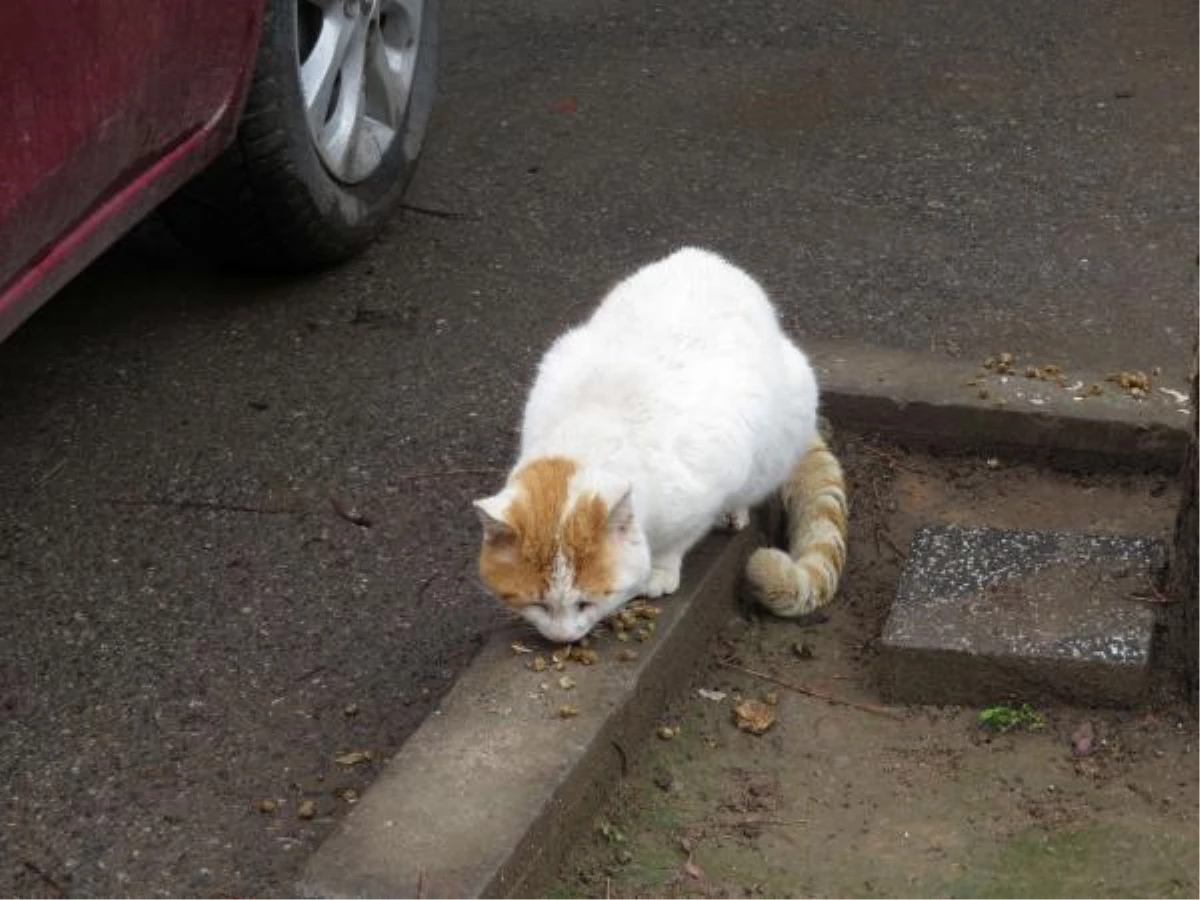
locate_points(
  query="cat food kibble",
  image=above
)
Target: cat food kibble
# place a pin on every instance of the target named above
(584, 656)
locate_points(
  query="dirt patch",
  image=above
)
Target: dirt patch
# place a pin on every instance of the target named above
(837, 800)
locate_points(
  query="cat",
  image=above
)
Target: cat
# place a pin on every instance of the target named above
(679, 405)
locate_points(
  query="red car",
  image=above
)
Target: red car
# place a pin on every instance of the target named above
(274, 133)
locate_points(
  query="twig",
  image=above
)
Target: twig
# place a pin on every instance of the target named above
(446, 473)
(421, 883)
(607, 887)
(1151, 595)
(740, 823)
(882, 532)
(890, 458)
(309, 674)
(350, 514)
(40, 873)
(624, 758)
(435, 213)
(206, 505)
(810, 692)
(51, 472)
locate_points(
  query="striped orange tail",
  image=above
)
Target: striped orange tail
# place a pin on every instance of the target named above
(806, 577)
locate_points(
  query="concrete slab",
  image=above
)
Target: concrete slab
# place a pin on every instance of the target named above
(485, 795)
(983, 615)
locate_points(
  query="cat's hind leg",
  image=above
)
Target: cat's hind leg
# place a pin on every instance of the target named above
(734, 520)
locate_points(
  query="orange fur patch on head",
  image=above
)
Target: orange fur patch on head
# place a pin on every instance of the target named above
(517, 567)
(585, 544)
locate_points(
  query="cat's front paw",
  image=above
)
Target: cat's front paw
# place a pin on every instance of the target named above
(662, 581)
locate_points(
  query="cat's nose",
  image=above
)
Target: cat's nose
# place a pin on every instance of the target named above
(563, 632)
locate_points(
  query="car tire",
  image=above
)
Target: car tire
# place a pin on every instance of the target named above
(279, 198)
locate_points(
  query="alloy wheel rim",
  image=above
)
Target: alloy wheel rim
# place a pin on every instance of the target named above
(357, 59)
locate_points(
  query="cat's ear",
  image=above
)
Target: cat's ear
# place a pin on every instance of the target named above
(491, 517)
(620, 512)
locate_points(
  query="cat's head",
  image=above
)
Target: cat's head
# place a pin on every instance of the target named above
(562, 546)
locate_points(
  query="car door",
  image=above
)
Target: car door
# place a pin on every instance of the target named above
(94, 92)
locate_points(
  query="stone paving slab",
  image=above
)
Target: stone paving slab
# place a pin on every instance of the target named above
(985, 614)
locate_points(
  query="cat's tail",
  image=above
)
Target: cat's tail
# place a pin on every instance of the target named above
(806, 577)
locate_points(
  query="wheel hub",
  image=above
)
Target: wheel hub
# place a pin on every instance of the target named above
(356, 72)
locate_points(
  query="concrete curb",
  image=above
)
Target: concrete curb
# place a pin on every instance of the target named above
(914, 399)
(487, 795)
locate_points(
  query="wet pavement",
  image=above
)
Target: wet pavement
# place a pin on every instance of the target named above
(235, 531)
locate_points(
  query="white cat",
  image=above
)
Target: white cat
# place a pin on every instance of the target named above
(679, 404)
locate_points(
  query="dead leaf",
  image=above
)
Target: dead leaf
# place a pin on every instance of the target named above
(1083, 740)
(564, 105)
(667, 733)
(566, 682)
(693, 871)
(354, 758)
(518, 647)
(717, 696)
(567, 711)
(266, 806)
(307, 809)
(753, 716)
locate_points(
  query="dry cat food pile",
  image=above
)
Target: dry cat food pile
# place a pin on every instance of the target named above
(1136, 384)
(635, 622)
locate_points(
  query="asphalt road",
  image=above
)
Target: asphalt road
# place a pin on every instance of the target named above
(235, 531)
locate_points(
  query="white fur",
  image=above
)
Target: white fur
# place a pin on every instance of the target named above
(683, 386)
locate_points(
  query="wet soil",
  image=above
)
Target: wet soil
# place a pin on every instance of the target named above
(838, 800)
